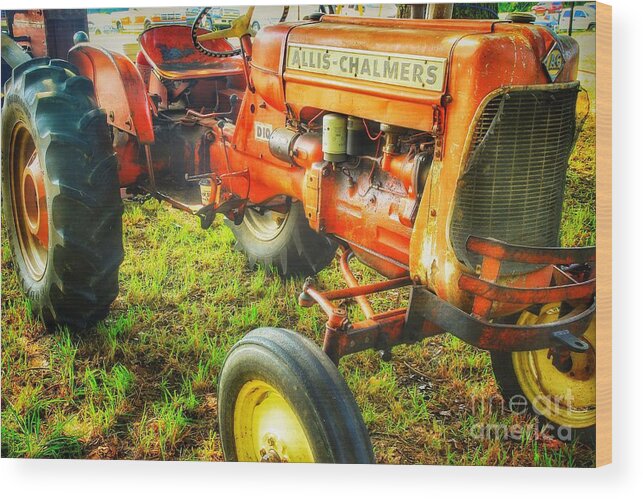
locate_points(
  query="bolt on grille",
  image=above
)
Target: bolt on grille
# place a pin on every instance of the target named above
(514, 180)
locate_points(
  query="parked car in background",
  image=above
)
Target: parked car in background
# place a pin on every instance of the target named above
(545, 8)
(367, 10)
(584, 19)
(590, 5)
(269, 15)
(99, 24)
(190, 16)
(549, 20)
(222, 17)
(140, 19)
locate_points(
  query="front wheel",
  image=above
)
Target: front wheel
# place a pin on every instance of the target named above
(558, 387)
(283, 240)
(281, 399)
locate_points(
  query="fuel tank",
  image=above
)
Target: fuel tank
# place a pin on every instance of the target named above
(399, 71)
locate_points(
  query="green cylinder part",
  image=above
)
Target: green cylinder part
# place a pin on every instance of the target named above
(334, 137)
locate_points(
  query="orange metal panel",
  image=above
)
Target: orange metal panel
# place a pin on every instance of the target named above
(31, 24)
(371, 220)
(119, 89)
(478, 67)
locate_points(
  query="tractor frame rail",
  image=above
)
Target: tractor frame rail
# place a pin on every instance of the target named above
(573, 282)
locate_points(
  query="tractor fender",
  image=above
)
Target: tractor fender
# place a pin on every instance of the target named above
(120, 89)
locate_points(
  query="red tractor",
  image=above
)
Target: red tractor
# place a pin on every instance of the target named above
(434, 151)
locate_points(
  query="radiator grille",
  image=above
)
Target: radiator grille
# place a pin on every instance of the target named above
(514, 180)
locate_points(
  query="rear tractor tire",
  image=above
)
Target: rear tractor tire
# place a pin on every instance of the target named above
(60, 193)
(283, 241)
(281, 399)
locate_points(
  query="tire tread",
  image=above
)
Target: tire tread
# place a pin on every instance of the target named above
(81, 278)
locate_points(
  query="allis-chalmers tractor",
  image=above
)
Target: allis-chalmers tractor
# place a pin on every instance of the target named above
(433, 151)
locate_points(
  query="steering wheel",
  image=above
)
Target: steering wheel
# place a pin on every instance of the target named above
(239, 28)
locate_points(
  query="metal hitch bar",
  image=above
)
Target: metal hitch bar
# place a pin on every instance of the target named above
(426, 306)
(573, 282)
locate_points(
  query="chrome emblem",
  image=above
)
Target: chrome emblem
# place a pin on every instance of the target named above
(554, 62)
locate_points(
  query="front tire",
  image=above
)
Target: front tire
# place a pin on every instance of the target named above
(283, 241)
(562, 396)
(281, 399)
(60, 191)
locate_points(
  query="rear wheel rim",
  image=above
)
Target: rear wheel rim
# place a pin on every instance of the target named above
(29, 203)
(565, 397)
(266, 225)
(266, 428)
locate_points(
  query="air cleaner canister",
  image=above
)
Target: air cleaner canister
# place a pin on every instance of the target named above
(334, 137)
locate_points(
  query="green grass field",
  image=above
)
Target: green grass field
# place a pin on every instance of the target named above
(142, 385)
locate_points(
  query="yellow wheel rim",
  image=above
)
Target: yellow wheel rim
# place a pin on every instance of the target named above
(266, 427)
(566, 396)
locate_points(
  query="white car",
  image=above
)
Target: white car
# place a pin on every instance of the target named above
(367, 10)
(584, 19)
(135, 20)
(266, 15)
(100, 23)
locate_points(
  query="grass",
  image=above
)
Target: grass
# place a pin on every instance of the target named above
(142, 384)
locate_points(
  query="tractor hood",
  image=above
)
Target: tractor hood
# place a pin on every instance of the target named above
(400, 68)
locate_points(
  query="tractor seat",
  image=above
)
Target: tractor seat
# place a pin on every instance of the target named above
(171, 54)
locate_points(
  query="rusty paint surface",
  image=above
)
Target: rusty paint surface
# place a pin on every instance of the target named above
(379, 213)
(492, 335)
(336, 203)
(47, 32)
(119, 89)
(500, 250)
(526, 296)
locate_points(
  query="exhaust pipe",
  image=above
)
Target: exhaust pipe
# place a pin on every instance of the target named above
(12, 53)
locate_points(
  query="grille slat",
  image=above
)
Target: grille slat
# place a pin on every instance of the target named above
(514, 181)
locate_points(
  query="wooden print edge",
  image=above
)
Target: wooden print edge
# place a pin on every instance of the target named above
(604, 234)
